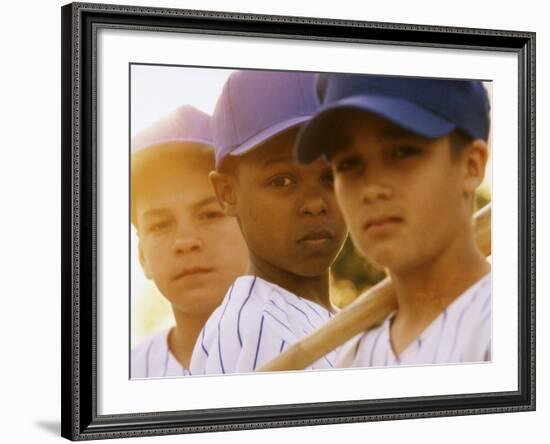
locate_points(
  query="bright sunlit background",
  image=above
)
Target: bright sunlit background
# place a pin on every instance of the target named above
(157, 91)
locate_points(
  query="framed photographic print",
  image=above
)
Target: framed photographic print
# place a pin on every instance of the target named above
(267, 221)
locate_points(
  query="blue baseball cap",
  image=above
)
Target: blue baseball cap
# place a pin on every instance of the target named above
(184, 124)
(255, 106)
(427, 107)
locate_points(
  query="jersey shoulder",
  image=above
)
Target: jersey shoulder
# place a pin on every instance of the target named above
(363, 349)
(146, 353)
(249, 305)
(255, 321)
(473, 323)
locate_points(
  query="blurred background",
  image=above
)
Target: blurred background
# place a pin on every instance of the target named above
(158, 90)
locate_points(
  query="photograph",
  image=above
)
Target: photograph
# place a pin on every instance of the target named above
(277, 221)
(272, 222)
(263, 203)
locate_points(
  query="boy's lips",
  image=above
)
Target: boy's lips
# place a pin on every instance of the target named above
(317, 235)
(191, 271)
(379, 222)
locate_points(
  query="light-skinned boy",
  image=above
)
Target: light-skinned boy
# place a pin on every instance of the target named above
(408, 155)
(288, 216)
(180, 227)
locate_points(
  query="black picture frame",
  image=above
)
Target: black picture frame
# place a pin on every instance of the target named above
(80, 419)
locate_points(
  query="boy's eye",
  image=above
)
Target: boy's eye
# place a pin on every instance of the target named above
(210, 215)
(346, 164)
(159, 226)
(327, 178)
(281, 182)
(404, 151)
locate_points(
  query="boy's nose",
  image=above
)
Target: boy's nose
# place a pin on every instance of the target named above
(373, 191)
(313, 206)
(187, 243)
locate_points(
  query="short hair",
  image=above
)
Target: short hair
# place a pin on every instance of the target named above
(229, 165)
(458, 140)
(151, 162)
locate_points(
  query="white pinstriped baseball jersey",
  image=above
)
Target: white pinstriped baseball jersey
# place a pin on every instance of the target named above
(255, 322)
(462, 333)
(152, 358)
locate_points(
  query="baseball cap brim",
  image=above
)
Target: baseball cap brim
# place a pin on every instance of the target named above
(267, 134)
(312, 140)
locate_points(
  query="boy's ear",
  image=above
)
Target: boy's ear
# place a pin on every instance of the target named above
(143, 262)
(224, 188)
(475, 160)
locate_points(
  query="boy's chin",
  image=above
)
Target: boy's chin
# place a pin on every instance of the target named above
(195, 306)
(384, 258)
(312, 270)
(393, 263)
(197, 300)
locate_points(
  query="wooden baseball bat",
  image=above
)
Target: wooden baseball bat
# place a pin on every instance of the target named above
(367, 311)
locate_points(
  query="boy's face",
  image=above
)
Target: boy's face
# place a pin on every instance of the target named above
(188, 246)
(288, 212)
(403, 197)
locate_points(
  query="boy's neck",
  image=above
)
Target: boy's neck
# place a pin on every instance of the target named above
(182, 337)
(423, 293)
(314, 289)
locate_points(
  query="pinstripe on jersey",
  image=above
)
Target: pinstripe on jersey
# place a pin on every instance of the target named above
(152, 359)
(255, 321)
(462, 333)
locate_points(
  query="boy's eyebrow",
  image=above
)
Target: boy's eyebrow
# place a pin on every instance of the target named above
(160, 212)
(280, 159)
(205, 201)
(398, 133)
(154, 212)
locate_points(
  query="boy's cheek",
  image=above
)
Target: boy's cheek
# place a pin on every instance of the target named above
(146, 262)
(348, 208)
(338, 184)
(359, 242)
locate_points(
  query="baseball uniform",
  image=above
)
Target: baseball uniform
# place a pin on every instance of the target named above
(256, 321)
(462, 333)
(152, 358)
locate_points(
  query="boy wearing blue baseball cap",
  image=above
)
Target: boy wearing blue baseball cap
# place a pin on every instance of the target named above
(408, 155)
(289, 218)
(180, 226)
